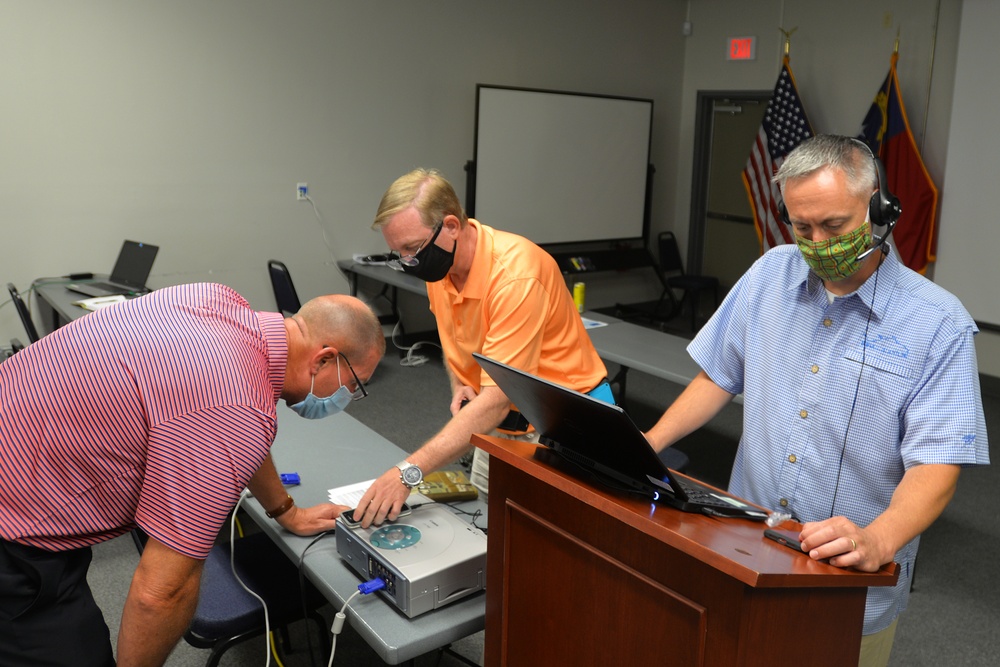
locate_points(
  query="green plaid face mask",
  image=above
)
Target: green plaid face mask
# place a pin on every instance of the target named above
(834, 259)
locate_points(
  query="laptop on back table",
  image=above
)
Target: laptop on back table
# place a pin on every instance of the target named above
(602, 439)
(135, 261)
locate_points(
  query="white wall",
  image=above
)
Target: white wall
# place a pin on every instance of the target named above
(188, 123)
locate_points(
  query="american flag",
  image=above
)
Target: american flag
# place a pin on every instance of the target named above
(784, 127)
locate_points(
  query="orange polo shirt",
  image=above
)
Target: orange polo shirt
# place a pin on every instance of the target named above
(514, 308)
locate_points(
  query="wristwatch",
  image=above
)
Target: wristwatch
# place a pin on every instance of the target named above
(410, 475)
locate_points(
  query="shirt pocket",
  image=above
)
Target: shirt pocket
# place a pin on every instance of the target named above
(885, 379)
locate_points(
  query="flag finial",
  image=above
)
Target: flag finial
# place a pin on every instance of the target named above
(895, 48)
(788, 37)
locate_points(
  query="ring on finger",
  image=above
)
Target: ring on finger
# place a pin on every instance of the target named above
(854, 545)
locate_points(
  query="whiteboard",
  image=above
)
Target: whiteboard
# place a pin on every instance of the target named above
(969, 232)
(560, 167)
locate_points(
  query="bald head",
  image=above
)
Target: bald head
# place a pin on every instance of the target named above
(344, 322)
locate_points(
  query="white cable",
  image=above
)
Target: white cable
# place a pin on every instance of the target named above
(322, 229)
(232, 565)
(411, 359)
(338, 625)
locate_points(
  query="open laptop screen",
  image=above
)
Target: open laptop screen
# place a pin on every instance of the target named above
(134, 263)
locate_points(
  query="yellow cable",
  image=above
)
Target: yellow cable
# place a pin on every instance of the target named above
(274, 650)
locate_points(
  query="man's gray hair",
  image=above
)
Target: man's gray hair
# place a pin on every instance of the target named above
(847, 154)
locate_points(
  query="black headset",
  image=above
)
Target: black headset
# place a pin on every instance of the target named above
(883, 209)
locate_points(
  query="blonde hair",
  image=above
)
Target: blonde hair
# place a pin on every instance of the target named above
(427, 191)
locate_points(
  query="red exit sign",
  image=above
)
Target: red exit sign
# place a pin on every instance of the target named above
(742, 48)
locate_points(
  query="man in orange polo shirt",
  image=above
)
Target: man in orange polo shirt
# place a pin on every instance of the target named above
(491, 292)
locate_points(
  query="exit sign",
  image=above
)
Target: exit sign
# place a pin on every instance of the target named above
(741, 48)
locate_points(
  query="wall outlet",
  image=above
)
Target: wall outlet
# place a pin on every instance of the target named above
(301, 191)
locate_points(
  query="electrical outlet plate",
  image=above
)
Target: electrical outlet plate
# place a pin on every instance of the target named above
(301, 191)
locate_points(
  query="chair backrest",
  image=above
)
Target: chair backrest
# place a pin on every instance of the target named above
(22, 311)
(284, 291)
(670, 254)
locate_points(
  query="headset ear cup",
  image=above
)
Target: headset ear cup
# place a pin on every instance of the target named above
(884, 205)
(783, 212)
(876, 208)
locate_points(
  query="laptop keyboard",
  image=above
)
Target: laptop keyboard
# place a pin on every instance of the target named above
(697, 493)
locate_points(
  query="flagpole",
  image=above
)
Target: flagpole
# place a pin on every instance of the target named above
(788, 38)
(930, 77)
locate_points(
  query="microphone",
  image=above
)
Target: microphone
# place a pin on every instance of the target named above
(869, 251)
(880, 242)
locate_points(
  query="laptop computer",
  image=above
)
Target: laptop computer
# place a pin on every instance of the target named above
(135, 261)
(603, 440)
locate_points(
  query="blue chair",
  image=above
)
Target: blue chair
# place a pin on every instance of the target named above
(227, 614)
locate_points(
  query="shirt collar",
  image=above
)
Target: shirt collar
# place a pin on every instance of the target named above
(886, 276)
(272, 327)
(481, 266)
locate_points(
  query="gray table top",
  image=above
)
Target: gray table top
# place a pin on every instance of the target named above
(382, 273)
(335, 452)
(660, 354)
(55, 293)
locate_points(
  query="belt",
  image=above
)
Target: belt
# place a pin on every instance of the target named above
(515, 421)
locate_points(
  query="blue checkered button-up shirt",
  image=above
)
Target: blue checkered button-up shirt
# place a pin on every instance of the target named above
(834, 415)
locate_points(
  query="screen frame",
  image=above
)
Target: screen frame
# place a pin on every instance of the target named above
(592, 109)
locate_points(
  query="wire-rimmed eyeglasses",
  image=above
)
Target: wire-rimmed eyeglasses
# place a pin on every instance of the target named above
(397, 261)
(360, 392)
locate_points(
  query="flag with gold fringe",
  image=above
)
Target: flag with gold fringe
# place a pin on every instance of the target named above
(887, 131)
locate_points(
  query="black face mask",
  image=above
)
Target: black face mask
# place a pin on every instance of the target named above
(434, 261)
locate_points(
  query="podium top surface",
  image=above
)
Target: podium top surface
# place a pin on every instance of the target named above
(736, 547)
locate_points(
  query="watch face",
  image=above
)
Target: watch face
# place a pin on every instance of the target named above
(412, 476)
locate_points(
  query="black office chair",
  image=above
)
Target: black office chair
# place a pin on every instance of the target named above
(673, 270)
(284, 291)
(227, 615)
(22, 312)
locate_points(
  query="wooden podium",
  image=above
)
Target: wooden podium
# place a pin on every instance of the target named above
(581, 575)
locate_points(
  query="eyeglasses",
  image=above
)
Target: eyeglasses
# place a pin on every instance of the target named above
(360, 392)
(397, 261)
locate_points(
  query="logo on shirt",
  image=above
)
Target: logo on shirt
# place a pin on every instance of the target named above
(889, 345)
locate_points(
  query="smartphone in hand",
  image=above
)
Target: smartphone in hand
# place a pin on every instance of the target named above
(350, 522)
(785, 536)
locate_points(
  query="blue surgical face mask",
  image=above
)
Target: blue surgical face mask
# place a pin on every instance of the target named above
(313, 407)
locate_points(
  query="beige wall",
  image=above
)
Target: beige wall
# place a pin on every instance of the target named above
(188, 123)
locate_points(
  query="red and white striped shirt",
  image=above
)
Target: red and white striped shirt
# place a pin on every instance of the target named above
(154, 412)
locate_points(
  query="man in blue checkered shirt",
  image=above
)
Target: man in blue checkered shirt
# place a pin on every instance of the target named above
(859, 378)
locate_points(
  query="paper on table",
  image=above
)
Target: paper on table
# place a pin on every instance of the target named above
(592, 324)
(350, 494)
(99, 301)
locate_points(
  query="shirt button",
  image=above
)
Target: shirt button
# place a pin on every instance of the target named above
(814, 368)
(792, 458)
(803, 413)
(783, 502)
(828, 322)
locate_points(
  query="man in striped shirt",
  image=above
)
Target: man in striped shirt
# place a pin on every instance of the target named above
(156, 413)
(861, 392)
